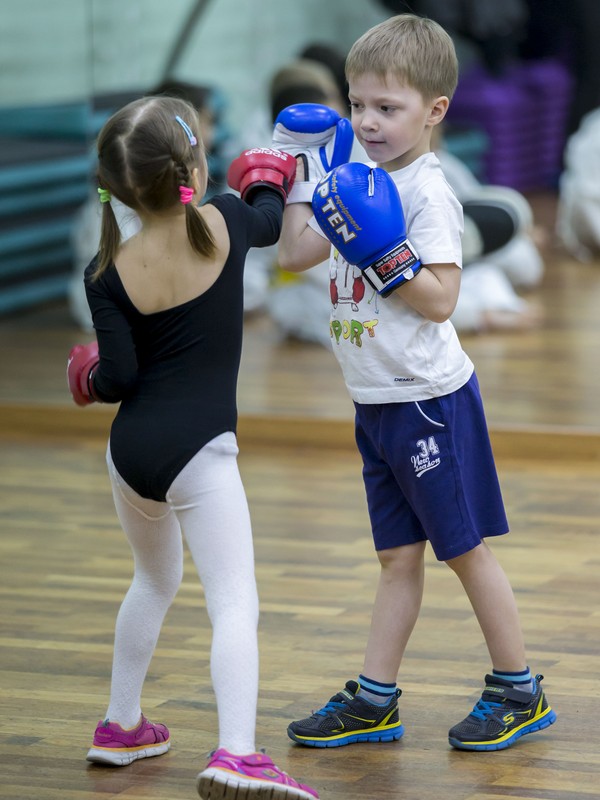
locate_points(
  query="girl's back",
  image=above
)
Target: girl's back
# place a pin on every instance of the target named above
(159, 268)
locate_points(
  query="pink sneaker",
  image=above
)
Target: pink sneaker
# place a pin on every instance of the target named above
(227, 775)
(117, 746)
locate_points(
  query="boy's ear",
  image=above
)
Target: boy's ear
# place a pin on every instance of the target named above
(437, 110)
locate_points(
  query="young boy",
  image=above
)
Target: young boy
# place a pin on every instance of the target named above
(420, 427)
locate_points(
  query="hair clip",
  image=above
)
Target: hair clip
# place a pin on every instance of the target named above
(188, 131)
(105, 195)
(185, 194)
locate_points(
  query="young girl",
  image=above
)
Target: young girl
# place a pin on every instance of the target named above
(167, 308)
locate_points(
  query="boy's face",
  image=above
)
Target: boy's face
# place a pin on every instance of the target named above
(391, 120)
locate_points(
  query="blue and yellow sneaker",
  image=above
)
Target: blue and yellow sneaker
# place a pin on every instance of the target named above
(502, 716)
(347, 719)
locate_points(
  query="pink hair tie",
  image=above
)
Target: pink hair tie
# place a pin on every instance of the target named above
(186, 194)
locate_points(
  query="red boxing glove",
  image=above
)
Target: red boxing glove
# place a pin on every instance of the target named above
(262, 166)
(81, 366)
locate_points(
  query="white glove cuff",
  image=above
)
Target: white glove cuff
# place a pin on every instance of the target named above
(283, 138)
(302, 192)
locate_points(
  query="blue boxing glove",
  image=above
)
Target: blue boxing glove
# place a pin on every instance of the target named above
(359, 210)
(319, 136)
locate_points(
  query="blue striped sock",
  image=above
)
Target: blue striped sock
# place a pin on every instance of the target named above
(375, 692)
(520, 680)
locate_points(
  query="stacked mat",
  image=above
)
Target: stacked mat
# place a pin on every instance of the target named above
(44, 173)
(524, 115)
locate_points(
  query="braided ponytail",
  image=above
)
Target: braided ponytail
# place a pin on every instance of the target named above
(110, 239)
(199, 234)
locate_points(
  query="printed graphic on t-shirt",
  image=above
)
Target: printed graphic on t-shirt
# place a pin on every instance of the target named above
(350, 292)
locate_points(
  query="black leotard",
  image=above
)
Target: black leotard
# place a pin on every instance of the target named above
(175, 371)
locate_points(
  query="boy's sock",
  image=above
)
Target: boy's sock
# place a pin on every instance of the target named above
(520, 680)
(375, 692)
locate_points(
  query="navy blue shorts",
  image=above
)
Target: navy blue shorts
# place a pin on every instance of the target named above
(429, 472)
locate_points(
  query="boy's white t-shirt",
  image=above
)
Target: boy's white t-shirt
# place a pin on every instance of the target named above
(388, 352)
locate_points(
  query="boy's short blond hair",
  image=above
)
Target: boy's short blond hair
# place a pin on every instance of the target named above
(415, 50)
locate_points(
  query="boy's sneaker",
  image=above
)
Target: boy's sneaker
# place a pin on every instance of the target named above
(230, 777)
(117, 746)
(347, 719)
(502, 716)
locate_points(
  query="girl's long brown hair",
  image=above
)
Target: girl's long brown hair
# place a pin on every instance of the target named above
(144, 156)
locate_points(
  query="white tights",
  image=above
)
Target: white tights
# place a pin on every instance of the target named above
(207, 503)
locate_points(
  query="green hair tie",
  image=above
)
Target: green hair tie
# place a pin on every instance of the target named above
(105, 196)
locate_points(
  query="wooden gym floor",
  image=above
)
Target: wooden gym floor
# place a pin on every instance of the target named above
(65, 567)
